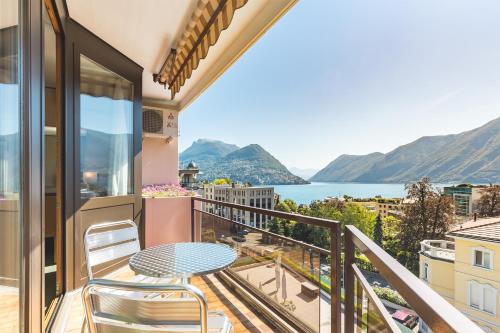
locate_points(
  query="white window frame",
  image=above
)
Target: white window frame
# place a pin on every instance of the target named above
(484, 250)
(482, 287)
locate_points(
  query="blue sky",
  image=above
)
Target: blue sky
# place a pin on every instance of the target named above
(339, 77)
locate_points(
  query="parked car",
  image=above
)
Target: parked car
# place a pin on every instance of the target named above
(406, 317)
(324, 269)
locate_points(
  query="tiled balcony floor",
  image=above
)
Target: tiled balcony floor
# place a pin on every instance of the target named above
(219, 298)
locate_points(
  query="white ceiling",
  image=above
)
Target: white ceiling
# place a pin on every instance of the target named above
(145, 32)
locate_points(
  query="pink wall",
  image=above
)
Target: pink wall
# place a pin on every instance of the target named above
(160, 161)
(168, 220)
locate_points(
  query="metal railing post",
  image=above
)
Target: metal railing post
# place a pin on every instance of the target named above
(193, 235)
(335, 277)
(348, 282)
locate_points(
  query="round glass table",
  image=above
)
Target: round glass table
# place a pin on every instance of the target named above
(182, 260)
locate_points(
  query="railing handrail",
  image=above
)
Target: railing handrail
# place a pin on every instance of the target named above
(316, 221)
(442, 241)
(436, 312)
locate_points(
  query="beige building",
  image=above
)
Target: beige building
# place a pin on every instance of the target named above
(466, 271)
(260, 197)
(385, 206)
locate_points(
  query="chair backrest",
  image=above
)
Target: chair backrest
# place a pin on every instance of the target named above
(107, 242)
(114, 306)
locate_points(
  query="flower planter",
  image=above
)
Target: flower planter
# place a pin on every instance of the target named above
(167, 220)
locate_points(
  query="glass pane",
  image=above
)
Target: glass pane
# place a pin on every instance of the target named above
(283, 272)
(9, 168)
(106, 141)
(487, 262)
(478, 258)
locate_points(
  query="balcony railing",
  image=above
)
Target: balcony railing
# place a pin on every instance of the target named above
(440, 249)
(301, 282)
(291, 277)
(435, 311)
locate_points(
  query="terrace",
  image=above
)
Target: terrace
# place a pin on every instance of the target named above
(438, 249)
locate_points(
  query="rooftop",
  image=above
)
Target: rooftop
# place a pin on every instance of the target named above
(487, 229)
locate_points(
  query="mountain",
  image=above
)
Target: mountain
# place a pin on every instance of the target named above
(472, 156)
(206, 152)
(250, 164)
(303, 173)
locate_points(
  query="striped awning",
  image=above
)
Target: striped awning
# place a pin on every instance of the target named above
(209, 19)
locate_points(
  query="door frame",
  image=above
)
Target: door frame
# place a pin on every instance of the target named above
(78, 41)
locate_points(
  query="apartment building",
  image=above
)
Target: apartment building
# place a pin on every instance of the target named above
(260, 197)
(466, 271)
(465, 196)
(385, 206)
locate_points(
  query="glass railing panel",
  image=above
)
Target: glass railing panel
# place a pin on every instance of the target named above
(283, 273)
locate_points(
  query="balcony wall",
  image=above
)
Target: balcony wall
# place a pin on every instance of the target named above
(441, 276)
(167, 220)
(160, 161)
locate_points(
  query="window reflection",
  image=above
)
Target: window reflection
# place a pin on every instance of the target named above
(9, 168)
(106, 136)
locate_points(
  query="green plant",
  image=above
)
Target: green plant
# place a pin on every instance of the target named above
(390, 295)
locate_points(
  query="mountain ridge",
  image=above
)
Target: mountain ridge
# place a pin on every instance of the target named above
(470, 156)
(249, 164)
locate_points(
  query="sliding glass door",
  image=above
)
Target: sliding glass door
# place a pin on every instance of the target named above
(105, 90)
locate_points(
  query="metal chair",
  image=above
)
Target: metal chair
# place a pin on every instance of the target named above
(109, 308)
(111, 241)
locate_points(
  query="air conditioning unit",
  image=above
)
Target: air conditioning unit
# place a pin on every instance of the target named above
(161, 124)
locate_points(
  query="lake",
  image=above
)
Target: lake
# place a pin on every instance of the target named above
(304, 194)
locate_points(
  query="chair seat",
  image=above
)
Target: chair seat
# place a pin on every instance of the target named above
(152, 280)
(216, 320)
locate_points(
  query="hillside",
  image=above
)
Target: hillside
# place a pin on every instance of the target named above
(250, 164)
(206, 152)
(471, 156)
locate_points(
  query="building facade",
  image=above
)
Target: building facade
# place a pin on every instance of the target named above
(188, 176)
(385, 207)
(259, 197)
(464, 197)
(466, 271)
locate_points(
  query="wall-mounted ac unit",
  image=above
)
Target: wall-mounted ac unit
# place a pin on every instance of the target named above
(160, 124)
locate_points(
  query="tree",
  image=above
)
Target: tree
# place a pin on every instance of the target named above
(378, 232)
(302, 232)
(222, 181)
(360, 217)
(392, 240)
(489, 203)
(427, 215)
(292, 205)
(275, 226)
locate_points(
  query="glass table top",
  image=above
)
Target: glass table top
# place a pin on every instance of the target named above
(182, 260)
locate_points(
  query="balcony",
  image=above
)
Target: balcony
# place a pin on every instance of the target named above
(438, 249)
(279, 284)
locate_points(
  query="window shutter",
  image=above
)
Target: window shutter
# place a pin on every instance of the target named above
(475, 294)
(489, 299)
